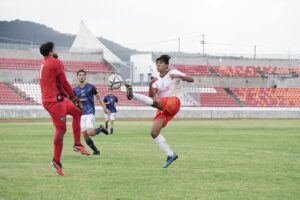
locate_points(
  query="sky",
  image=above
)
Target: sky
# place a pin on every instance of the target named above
(229, 26)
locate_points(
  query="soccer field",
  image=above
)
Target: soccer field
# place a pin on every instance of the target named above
(218, 159)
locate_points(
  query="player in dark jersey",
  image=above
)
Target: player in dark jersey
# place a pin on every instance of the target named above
(52, 75)
(86, 92)
(111, 101)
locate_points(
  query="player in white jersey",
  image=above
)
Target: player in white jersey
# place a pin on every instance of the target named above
(163, 92)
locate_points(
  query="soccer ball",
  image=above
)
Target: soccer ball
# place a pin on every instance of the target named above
(115, 81)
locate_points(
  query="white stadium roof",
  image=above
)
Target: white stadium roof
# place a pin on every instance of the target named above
(87, 42)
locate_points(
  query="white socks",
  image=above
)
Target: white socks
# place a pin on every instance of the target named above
(143, 98)
(161, 141)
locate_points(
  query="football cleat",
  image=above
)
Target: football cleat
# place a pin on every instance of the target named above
(103, 130)
(58, 167)
(81, 149)
(95, 153)
(169, 160)
(111, 130)
(129, 89)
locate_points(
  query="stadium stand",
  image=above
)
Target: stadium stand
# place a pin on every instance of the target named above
(297, 70)
(196, 70)
(31, 90)
(192, 96)
(27, 93)
(274, 70)
(10, 97)
(252, 71)
(247, 71)
(31, 64)
(269, 97)
(216, 97)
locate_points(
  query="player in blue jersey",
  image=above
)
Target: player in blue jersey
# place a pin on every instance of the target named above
(86, 92)
(111, 101)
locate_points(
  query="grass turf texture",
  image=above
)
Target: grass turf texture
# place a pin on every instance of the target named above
(218, 159)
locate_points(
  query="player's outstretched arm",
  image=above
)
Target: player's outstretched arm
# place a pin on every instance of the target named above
(186, 78)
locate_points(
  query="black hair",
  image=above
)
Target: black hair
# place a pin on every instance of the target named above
(164, 58)
(81, 70)
(46, 48)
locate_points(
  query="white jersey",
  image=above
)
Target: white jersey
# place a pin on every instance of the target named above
(167, 87)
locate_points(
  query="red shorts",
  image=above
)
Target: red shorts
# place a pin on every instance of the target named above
(59, 110)
(171, 105)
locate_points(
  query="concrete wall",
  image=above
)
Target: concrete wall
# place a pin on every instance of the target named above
(148, 112)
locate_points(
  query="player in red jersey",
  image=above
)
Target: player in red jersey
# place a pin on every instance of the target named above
(54, 83)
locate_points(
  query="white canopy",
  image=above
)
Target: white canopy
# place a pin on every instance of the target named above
(87, 42)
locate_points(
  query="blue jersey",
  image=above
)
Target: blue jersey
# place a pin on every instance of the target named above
(86, 96)
(111, 100)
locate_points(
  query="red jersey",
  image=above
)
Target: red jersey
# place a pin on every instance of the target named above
(52, 76)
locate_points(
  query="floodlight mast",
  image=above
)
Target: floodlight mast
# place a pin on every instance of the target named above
(203, 44)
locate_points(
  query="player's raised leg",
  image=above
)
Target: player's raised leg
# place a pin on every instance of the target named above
(154, 102)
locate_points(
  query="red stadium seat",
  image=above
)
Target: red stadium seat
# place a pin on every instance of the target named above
(194, 70)
(10, 97)
(269, 97)
(73, 66)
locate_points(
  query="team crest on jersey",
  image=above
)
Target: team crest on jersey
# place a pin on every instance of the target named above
(63, 118)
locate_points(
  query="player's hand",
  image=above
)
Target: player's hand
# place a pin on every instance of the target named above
(153, 79)
(76, 102)
(172, 76)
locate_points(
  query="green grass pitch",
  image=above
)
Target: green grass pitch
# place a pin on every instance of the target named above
(218, 159)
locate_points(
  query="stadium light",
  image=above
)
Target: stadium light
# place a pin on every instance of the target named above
(203, 44)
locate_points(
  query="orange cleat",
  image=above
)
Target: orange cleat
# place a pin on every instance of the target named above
(81, 149)
(58, 167)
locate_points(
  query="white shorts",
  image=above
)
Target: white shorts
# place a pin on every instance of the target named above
(87, 121)
(111, 116)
